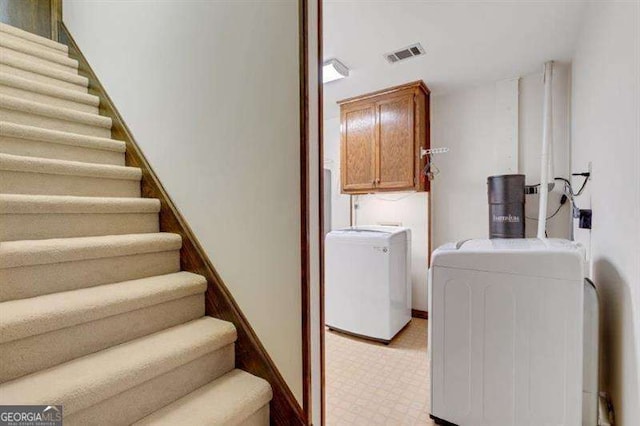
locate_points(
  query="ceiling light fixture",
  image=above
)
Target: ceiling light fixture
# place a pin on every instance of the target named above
(333, 69)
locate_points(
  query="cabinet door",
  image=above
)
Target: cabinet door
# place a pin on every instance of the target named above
(358, 144)
(395, 142)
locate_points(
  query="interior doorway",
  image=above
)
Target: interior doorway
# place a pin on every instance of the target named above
(366, 381)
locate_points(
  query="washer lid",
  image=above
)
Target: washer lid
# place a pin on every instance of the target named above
(372, 232)
(552, 258)
(375, 229)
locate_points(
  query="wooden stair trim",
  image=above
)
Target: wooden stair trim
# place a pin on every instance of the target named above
(250, 354)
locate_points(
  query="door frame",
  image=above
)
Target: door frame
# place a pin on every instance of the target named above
(311, 243)
(307, 319)
(321, 206)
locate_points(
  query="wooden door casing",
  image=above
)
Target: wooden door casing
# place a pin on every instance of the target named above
(395, 142)
(358, 168)
(38, 17)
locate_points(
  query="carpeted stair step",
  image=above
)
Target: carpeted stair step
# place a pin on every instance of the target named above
(124, 383)
(35, 217)
(40, 332)
(33, 46)
(19, 111)
(237, 398)
(43, 314)
(9, 30)
(22, 88)
(12, 55)
(39, 176)
(19, 139)
(30, 268)
(25, 356)
(24, 49)
(36, 72)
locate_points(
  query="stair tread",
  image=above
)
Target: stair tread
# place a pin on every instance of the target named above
(35, 45)
(60, 204)
(19, 163)
(66, 114)
(88, 380)
(37, 315)
(5, 28)
(22, 83)
(23, 131)
(227, 400)
(26, 65)
(22, 46)
(57, 250)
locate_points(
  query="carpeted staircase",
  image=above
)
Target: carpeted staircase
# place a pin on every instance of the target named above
(95, 313)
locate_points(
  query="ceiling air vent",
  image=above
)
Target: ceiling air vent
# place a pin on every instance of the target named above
(404, 53)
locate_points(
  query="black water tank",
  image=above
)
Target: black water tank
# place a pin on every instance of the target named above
(506, 206)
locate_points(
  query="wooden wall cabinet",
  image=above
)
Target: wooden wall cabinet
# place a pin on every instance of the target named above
(381, 135)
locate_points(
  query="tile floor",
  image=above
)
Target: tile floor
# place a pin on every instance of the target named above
(369, 383)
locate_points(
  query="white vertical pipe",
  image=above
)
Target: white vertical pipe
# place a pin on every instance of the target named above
(546, 161)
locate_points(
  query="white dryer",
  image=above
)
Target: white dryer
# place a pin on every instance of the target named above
(368, 280)
(512, 334)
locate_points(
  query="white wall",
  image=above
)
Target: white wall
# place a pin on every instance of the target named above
(471, 124)
(463, 122)
(211, 93)
(606, 131)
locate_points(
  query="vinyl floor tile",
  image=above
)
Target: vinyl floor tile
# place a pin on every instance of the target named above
(369, 383)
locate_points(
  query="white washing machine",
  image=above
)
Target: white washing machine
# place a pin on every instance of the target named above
(368, 281)
(513, 334)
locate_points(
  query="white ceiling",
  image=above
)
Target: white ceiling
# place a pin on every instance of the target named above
(467, 43)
